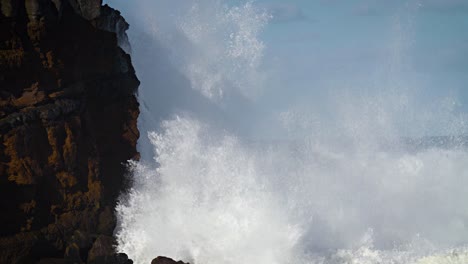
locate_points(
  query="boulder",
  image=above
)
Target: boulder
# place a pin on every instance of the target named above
(166, 260)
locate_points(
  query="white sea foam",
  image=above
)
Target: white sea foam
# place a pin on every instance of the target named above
(342, 188)
(213, 199)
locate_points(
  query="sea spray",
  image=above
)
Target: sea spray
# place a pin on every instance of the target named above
(366, 182)
(207, 200)
(212, 199)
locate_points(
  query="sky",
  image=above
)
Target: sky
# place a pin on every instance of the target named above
(338, 36)
(315, 46)
(425, 42)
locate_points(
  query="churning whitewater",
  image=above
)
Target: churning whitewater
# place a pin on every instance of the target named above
(381, 178)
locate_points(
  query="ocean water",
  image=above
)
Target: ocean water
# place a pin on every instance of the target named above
(370, 175)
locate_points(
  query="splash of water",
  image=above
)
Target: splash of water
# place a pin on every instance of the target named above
(214, 199)
(342, 188)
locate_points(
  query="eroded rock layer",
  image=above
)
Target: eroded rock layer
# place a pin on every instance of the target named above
(68, 116)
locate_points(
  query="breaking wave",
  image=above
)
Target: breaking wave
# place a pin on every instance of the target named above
(368, 182)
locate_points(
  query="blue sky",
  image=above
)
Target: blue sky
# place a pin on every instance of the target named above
(425, 42)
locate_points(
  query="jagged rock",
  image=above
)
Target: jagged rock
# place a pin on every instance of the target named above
(68, 116)
(166, 260)
(88, 9)
(112, 21)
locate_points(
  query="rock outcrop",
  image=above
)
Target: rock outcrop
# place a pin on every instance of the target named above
(68, 116)
(166, 260)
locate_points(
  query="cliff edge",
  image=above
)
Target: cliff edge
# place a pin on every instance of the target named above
(68, 124)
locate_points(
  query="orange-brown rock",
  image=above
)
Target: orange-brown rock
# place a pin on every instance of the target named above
(68, 116)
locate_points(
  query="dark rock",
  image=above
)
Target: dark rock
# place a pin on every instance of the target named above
(72, 254)
(106, 221)
(103, 252)
(68, 124)
(88, 9)
(52, 261)
(9, 8)
(34, 9)
(103, 248)
(166, 260)
(111, 20)
(81, 239)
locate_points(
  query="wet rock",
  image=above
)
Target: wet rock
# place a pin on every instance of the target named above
(166, 260)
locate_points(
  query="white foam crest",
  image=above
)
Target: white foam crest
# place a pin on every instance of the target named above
(213, 199)
(458, 256)
(200, 205)
(413, 254)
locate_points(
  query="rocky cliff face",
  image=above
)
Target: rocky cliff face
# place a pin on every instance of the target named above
(68, 118)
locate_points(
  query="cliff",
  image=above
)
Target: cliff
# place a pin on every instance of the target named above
(68, 116)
